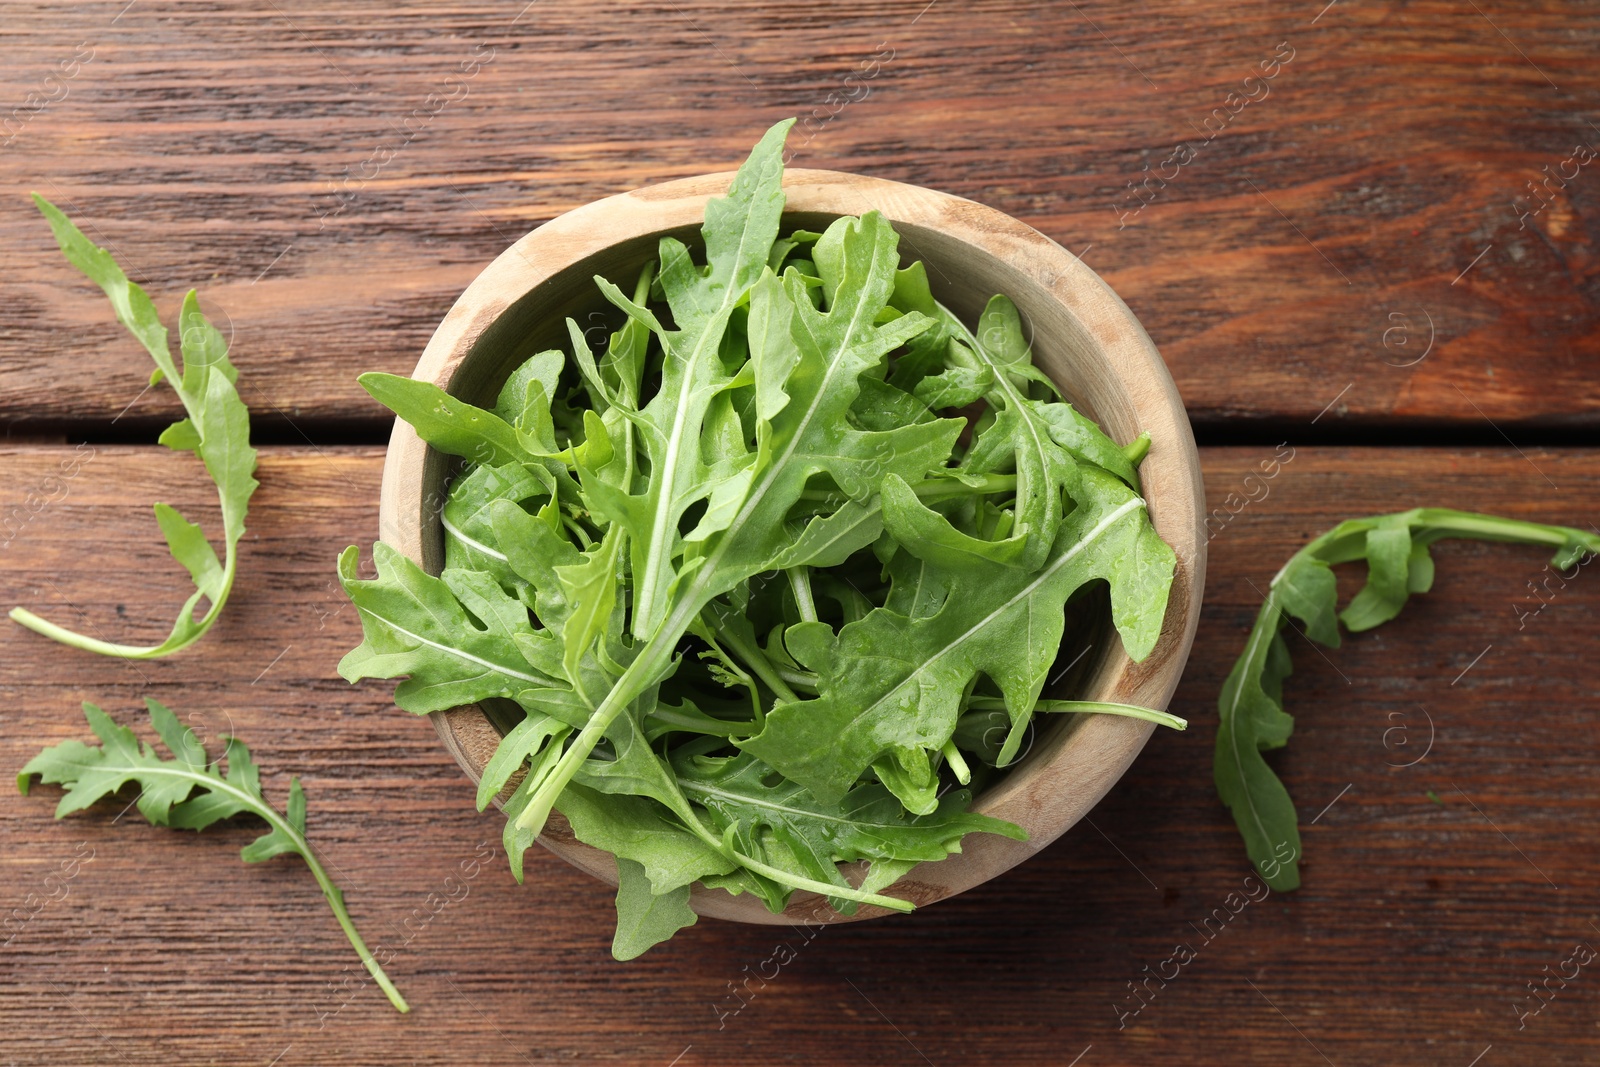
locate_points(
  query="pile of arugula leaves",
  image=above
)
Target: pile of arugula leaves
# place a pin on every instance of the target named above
(765, 578)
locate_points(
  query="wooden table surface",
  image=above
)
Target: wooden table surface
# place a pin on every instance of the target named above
(1349, 258)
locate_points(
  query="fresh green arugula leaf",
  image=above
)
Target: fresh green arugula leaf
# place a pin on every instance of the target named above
(189, 792)
(470, 539)
(591, 588)
(1251, 716)
(453, 638)
(633, 828)
(644, 919)
(1018, 439)
(1086, 442)
(217, 430)
(528, 740)
(524, 400)
(454, 426)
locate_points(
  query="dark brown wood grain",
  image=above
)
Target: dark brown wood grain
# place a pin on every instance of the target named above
(332, 177)
(1432, 892)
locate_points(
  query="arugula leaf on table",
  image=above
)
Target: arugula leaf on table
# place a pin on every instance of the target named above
(189, 792)
(217, 430)
(1251, 716)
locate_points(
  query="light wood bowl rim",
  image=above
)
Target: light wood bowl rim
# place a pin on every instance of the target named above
(1053, 788)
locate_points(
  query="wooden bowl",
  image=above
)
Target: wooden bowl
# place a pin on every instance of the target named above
(1084, 337)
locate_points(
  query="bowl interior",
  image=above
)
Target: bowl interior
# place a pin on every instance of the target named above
(1083, 337)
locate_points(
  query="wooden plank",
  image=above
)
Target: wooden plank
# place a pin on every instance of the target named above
(331, 182)
(1419, 924)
